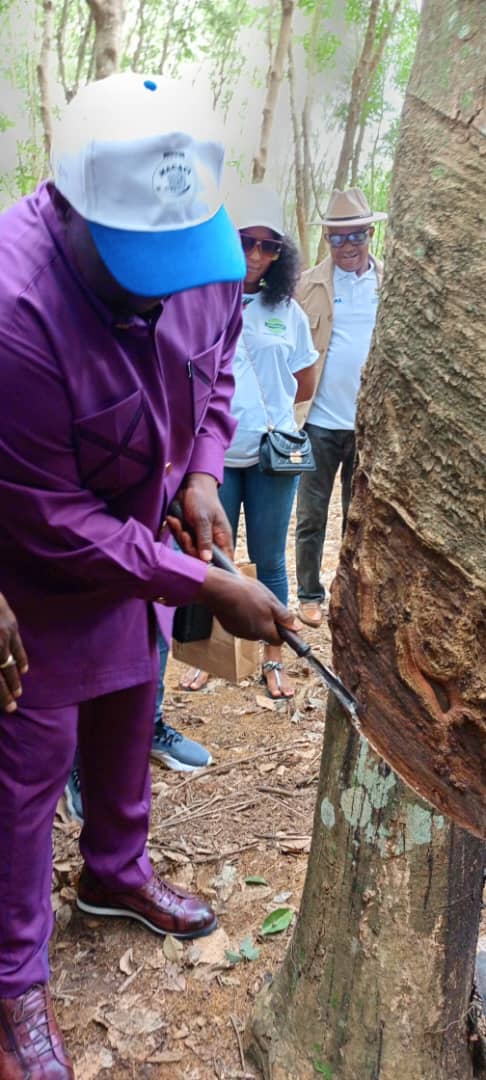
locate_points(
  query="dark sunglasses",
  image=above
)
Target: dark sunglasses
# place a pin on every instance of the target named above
(267, 247)
(354, 238)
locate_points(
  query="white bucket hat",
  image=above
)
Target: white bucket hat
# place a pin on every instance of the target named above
(255, 204)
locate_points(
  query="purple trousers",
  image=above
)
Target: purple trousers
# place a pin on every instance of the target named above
(114, 735)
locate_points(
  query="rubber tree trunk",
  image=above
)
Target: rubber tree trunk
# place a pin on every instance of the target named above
(377, 981)
(274, 79)
(376, 984)
(109, 17)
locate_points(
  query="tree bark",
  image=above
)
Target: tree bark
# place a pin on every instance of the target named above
(379, 969)
(275, 75)
(48, 9)
(377, 982)
(108, 16)
(301, 202)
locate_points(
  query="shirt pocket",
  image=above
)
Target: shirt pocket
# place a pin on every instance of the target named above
(114, 447)
(203, 369)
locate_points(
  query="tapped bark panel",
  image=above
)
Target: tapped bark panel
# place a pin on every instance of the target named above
(409, 639)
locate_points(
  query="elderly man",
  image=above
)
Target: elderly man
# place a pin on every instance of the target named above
(340, 297)
(119, 313)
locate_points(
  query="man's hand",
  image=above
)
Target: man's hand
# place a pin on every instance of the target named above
(13, 660)
(204, 516)
(245, 607)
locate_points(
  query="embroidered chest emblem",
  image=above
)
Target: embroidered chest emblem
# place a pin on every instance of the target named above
(276, 326)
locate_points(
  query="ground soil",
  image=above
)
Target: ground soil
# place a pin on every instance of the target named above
(134, 1005)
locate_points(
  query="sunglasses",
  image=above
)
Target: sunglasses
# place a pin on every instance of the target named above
(270, 248)
(354, 238)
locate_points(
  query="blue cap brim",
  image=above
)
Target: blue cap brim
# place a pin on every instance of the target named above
(160, 263)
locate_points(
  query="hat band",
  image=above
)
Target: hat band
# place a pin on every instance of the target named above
(352, 217)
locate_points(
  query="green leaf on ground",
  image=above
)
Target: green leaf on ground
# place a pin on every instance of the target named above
(277, 921)
(255, 880)
(249, 950)
(233, 957)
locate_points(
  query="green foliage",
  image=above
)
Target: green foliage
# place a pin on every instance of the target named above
(247, 951)
(5, 123)
(277, 921)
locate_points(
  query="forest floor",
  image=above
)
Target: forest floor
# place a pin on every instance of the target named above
(135, 1006)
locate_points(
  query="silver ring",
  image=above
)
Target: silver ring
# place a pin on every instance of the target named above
(10, 662)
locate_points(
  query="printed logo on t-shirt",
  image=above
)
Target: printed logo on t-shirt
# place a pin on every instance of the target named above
(338, 299)
(276, 326)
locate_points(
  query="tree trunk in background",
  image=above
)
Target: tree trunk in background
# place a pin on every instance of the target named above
(108, 16)
(361, 83)
(301, 204)
(43, 73)
(274, 78)
(377, 981)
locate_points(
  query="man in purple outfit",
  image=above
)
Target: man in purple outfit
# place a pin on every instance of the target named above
(119, 314)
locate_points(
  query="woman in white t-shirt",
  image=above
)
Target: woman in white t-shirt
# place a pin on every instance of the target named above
(273, 369)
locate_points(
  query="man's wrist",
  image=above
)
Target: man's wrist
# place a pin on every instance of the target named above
(195, 479)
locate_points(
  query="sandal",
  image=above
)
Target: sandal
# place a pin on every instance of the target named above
(194, 679)
(276, 666)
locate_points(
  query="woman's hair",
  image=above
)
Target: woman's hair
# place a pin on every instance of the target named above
(282, 276)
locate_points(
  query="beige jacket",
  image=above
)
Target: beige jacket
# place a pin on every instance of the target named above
(315, 295)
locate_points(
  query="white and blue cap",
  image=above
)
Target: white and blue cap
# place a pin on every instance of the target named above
(129, 156)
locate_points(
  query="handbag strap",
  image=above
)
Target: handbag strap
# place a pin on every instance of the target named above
(271, 427)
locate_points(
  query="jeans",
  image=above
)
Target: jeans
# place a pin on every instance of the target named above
(331, 449)
(163, 655)
(267, 502)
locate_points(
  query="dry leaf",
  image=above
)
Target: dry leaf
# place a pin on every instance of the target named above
(92, 1063)
(63, 867)
(126, 961)
(295, 847)
(172, 978)
(210, 950)
(166, 1057)
(265, 702)
(175, 856)
(64, 916)
(173, 949)
(225, 881)
(135, 1020)
(281, 897)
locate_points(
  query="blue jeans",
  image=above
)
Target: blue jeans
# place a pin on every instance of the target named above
(164, 654)
(267, 502)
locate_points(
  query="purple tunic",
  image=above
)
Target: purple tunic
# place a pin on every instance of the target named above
(99, 423)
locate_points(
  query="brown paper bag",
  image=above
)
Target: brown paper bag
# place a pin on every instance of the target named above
(222, 655)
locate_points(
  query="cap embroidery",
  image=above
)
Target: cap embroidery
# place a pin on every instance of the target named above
(174, 177)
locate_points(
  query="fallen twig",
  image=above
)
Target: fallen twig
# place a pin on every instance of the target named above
(238, 1039)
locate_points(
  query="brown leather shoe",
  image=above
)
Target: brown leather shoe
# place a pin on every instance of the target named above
(310, 612)
(163, 907)
(31, 1046)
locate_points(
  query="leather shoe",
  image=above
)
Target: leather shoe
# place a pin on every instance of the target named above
(31, 1045)
(310, 612)
(160, 905)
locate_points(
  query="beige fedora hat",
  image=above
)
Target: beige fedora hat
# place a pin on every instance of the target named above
(350, 208)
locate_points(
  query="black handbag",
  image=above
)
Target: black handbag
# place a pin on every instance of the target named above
(281, 452)
(287, 452)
